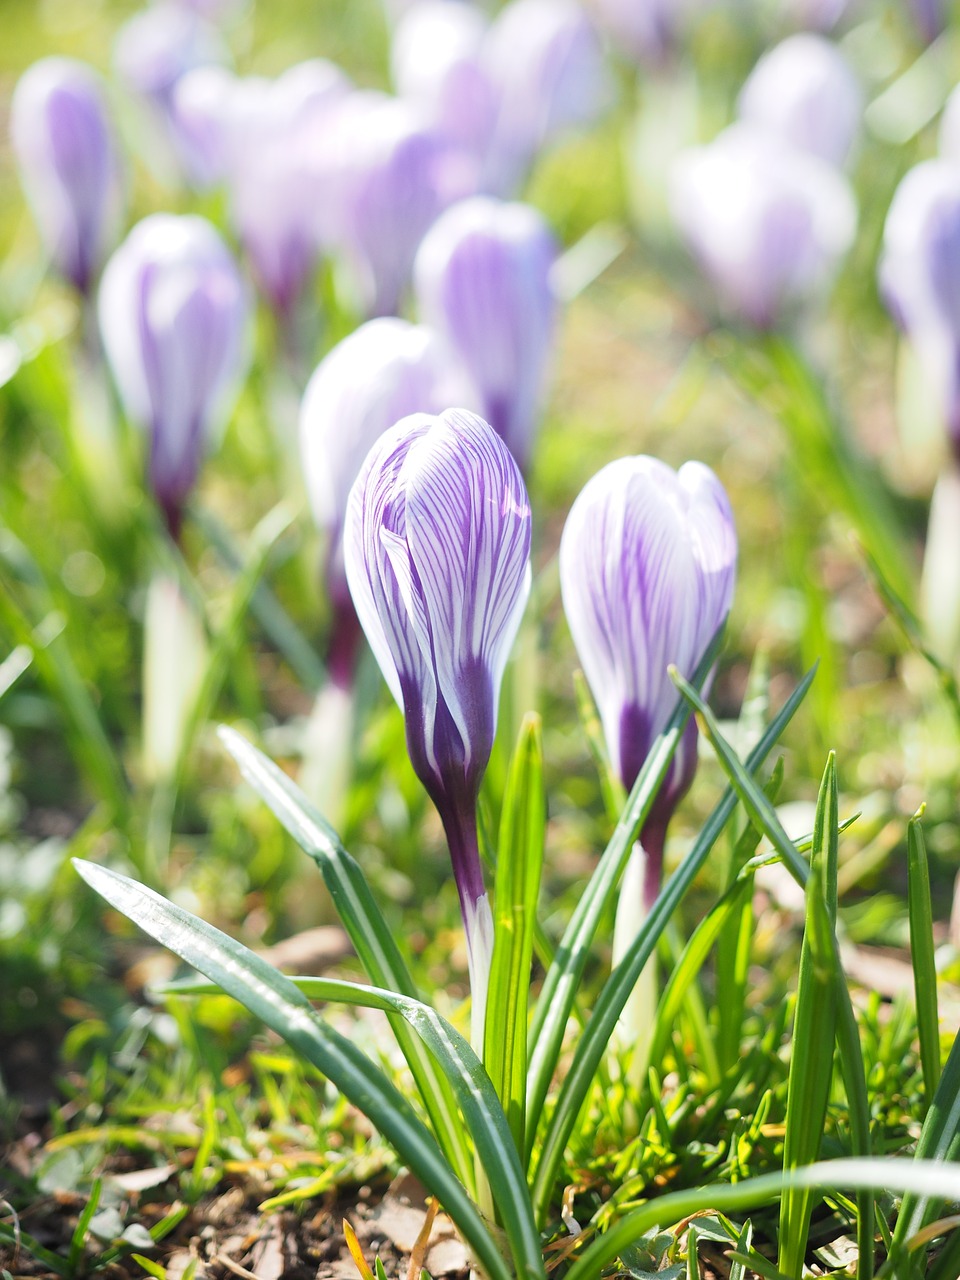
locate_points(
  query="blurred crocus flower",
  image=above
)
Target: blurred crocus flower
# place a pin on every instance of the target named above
(382, 372)
(482, 278)
(549, 74)
(274, 177)
(67, 154)
(438, 65)
(647, 567)
(768, 224)
(929, 17)
(920, 277)
(806, 92)
(437, 551)
(817, 15)
(200, 109)
(647, 31)
(173, 316)
(153, 50)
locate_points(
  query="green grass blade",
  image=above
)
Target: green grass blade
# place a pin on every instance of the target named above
(473, 1088)
(365, 926)
(920, 912)
(691, 961)
(281, 1006)
(939, 1141)
(517, 888)
(592, 1044)
(562, 981)
(916, 1177)
(814, 1026)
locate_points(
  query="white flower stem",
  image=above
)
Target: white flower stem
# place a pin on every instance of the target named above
(940, 583)
(634, 1030)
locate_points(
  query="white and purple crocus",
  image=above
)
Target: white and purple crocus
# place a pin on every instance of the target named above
(67, 155)
(482, 279)
(647, 566)
(173, 316)
(437, 553)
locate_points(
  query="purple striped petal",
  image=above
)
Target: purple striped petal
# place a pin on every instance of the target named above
(647, 566)
(436, 546)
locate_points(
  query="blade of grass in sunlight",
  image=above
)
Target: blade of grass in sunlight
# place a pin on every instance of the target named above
(592, 1044)
(557, 995)
(474, 1090)
(939, 1142)
(516, 891)
(916, 1177)
(365, 926)
(920, 912)
(281, 1006)
(814, 1026)
(848, 1036)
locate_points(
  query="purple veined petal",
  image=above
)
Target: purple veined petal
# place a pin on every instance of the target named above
(768, 224)
(385, 370)
(173, 316)
(647, 565)
(67, 155)
(482, 279)
(436, 547)
(805, 90)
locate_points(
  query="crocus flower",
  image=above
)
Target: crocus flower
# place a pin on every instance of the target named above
(806, 92)
(768, 224)
(646, 32)
(437, 548)
(438, 65)
(382, 372)
(549, 74)
(647, 566)
(482, 278)
(920, 276)
(388, 175)
(63, 139)
(275, 182)
(929, 17)
(173, 316)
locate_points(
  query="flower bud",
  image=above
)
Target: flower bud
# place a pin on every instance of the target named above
(647, 567)
(437, 552)
(919, 270)
(768, 224)
(173, 316)
(549, 74)
(382, 372)
(482, 278)
(388, 176)
(805, 91)
(64, 143)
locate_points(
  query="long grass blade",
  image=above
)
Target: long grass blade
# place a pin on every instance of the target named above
(915, 1177)
(920, 912)
(562, 981)
(811, 1065)
(592, 1044)
(473, 1088)
(517, 888)
(365, 926)
(281, 1006)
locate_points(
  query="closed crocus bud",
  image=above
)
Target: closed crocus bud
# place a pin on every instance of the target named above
(768, 224)
(437, 63)
(200, 103)
(382, 372)
(647, 566)
(548, 70)
(482, 278)
(67, 154)
(276, 184)
(388, 176)
(173, 316)
(805, 90)
(919, 268)
(437, 551)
